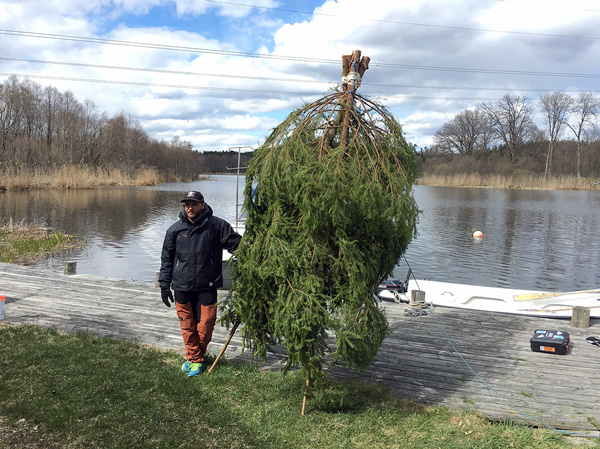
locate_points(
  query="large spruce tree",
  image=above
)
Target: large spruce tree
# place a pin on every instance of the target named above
(330, 211)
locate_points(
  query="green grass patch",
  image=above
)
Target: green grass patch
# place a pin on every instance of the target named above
(79, 390)
(25, 244)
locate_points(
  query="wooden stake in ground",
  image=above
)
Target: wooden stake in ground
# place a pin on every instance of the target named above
(233, 329)
(304, 399)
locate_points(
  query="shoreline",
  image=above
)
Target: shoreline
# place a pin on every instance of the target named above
(529, 182)
(72, 177)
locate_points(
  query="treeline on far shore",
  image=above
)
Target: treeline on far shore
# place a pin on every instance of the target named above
(499, 144)
(49, 138)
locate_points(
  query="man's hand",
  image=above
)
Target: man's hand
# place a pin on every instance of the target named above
(166, 294)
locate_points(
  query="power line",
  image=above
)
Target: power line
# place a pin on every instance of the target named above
(544, 3)
(262, 78)
(491, 71)
(173, 86)
(399, 22)
(271, 8)
(289, 58)
(171, 72)
(222, 89)
(162, 46)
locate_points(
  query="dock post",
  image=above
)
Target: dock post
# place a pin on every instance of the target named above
(70, 268)
(417, 299)
(580, 317)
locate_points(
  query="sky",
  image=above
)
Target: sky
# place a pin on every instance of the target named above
(223, 74)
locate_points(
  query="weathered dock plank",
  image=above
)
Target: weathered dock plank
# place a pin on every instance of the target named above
(416, 361)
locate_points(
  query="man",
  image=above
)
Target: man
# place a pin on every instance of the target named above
(191, 260)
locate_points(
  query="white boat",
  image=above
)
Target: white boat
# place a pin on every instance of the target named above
(496, 299)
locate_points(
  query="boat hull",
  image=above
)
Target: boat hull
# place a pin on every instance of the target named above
(496, 299)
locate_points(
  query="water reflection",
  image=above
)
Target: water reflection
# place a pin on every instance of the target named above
(122, 227)
(532, 239)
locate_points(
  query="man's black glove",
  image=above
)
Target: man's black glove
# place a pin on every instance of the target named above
(165, 294)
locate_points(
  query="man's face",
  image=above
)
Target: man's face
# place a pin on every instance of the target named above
(193, 209)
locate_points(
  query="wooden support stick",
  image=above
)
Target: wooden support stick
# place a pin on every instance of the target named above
(364, 65)
(233, 329)
(304, 399)
(345, 69)
(348, 103)
(346, 64)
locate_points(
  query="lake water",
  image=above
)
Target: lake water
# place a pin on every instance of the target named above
(542, 240)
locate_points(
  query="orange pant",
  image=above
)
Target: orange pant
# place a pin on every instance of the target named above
(196, 328)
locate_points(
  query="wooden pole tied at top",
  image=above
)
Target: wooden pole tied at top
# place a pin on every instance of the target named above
(353, 69)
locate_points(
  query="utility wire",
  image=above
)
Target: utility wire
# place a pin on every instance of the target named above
(171, 72)
(96, 40)
(289, 58)
(399, 22)
(223, 89)
(174, 86)
(544, 4)
(263, 78)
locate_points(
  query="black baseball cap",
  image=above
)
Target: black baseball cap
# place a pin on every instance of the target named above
(193, 196)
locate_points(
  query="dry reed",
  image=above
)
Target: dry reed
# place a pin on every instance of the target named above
(23, 229)
(528, 182)
(76, 177)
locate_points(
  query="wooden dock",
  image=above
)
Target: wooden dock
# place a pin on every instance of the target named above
(417, 361)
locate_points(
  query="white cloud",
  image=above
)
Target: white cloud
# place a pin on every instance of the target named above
(430, 59)
(136, 6)
(234, 10)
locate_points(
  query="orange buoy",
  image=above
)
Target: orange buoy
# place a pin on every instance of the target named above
(477, 234)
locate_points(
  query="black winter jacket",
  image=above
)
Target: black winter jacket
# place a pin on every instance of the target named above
(192, 253)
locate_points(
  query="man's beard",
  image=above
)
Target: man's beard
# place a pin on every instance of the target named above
(195, 216)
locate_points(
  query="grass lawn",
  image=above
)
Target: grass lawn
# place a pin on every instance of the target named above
(80, 391)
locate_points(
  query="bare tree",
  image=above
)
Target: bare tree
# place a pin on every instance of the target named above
(69, 127)
(41, 126)
(92, 124)
(511, 118)
(468, 132)
(50, 112)
(583, 112)
(10, 115)
(31, 94)
(556, 107)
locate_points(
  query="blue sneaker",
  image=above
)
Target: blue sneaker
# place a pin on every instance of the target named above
(195, 369)
(185, 367)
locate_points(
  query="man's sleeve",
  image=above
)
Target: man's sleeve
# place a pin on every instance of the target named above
(229, 238)
(167, 259)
